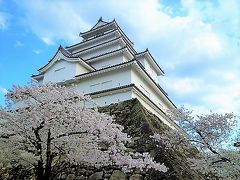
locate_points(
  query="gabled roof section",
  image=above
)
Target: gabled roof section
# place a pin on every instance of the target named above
(99, 23)
(63, 54)
(151, 60)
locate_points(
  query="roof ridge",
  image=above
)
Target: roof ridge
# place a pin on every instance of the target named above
(111, 40)
(107, 23)
(65, 52)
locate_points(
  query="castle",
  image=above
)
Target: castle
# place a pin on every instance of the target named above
(106, 67)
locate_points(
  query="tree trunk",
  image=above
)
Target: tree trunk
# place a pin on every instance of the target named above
(48, 167)
(39, 170)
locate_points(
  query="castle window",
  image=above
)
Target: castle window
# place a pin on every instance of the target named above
(160, 105)
(95, 87)
(104, 66)
(56, 70)
(107, 84)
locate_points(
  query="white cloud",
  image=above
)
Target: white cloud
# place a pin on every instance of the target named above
(3, 21)
(225, 97)
(182, 86)
(36, 51)
(3, 90)
(53, 20)
(205, 94)
(177, 39)
(18, 44)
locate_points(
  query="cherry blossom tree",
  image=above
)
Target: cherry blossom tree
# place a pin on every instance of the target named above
(49, 123)
(211, 134)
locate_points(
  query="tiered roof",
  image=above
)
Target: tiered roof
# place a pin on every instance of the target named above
(102, 27)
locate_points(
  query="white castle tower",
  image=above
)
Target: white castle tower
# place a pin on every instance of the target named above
(106, 67)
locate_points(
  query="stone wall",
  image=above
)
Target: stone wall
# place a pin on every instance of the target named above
(91, 173)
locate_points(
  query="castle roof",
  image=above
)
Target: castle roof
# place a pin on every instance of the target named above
(99, 23)
(101, 27)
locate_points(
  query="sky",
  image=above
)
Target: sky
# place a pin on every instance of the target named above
(196, 42)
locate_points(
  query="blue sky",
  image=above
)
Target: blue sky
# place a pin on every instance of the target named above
(197, 43)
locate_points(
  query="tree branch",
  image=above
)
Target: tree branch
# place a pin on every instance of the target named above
(223, 159)
(208, 145)
(68, 134)
(7, 136)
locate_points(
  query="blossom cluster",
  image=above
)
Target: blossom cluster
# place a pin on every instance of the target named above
(52, 123)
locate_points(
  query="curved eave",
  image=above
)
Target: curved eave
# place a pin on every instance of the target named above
(112, 53)
(64, 52)
(103, 70)
(107, 43)
(37, 77)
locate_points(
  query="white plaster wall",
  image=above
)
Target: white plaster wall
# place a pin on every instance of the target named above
(60, 71)
(99, 51)
(149, 68)
(113, 98)
(110, 61)
(141, 83)
(104, 81)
